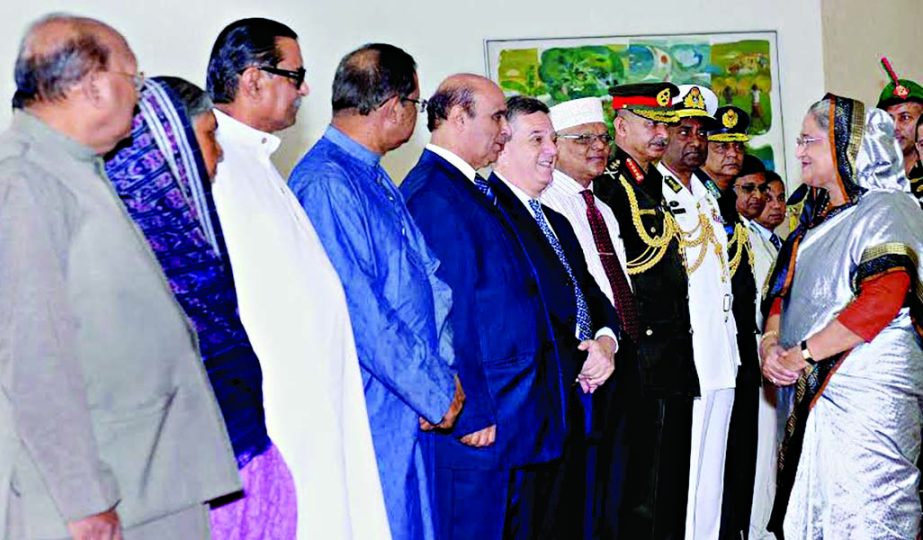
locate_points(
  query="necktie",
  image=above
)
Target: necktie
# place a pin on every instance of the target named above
(621, 291)
(776, 241)
(584, 325)
(484, 188)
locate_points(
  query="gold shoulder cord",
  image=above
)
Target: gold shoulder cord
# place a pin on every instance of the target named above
(741, 237)
(656, 245)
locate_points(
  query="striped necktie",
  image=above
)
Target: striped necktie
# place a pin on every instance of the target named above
(584, 325)
(484, 188)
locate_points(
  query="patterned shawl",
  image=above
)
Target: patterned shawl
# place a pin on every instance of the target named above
(160, 176)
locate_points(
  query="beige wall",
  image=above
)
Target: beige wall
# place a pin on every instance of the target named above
(175, 37)
(857, 33)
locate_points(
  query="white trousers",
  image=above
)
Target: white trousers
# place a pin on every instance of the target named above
(711, 418)
(767, 458)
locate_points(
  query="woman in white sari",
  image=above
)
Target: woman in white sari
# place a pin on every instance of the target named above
(844, 310)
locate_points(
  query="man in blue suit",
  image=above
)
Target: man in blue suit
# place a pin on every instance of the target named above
(505, 358)
(582, 316)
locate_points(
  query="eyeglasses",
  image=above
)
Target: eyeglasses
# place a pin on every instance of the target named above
(586, 139)
(297, 76)
(750, 188)
(420, 104)
(137, 79)
(806, 141)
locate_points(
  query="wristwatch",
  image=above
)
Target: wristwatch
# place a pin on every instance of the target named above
(806, 354)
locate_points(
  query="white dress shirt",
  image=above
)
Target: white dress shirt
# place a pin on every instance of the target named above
(525, 198)
(714, 330)
(563, 196)
(294, 310)
(456, 161)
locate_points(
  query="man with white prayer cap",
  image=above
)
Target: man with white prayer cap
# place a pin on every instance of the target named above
(584, 144)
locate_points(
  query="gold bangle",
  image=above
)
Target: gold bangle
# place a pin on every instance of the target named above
(767, 335)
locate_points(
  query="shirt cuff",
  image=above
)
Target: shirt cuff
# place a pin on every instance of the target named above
(606, 331)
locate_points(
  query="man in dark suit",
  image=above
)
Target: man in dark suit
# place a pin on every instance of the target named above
(582, 316)
(664, 380)
(504, 354)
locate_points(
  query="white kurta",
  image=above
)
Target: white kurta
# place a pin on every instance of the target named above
(714, 344)
(563, 196)
(764, 486)
(294, 310)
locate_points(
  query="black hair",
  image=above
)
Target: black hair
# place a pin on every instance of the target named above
(773, 176)
(446, 97)
(243, 43)
(522, 105)
(371, 75)
(751, 165)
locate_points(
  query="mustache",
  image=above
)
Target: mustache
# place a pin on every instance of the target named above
(659, 142)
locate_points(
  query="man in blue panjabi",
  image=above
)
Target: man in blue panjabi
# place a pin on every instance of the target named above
(397, 305)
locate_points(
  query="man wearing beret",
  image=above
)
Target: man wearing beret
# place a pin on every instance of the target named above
(662, 382)
(903, 100)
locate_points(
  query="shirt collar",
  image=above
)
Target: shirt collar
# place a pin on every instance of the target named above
(763, 231)
(523, 197)
(456, 161)
(351, 147)
(238, 132)
(45, 134)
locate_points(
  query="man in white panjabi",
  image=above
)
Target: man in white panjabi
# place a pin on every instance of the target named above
(291, 300)
(714, 338)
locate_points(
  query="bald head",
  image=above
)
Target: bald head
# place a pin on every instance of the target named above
(467, 115)
(58, 51)
(79, 77)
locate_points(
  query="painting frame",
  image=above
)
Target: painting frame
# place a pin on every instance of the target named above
(747, 47)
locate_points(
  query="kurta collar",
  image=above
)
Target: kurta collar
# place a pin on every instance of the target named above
(234, 130)
(32, 125)
(351, 147)
(567, 184)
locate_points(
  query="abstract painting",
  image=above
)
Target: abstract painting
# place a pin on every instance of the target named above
(742, 69)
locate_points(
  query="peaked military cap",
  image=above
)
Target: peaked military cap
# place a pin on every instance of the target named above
(731, 125)
(653, 101)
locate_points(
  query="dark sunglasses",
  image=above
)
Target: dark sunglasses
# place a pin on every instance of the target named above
(297, 76)
(750, 188)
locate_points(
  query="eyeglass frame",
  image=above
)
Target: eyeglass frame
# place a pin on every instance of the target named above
(296, 76)
(750, 188)
(137, 79)
(588, 138)
(805, 141)
(419, 104)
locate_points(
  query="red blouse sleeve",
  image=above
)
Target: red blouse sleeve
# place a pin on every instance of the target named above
(776, 307)
(879, 300)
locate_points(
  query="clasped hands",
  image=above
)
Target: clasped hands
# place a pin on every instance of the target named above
(599, 364)
(780, 366)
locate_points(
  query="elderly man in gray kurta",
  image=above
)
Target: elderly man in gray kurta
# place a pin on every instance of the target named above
(108, 425)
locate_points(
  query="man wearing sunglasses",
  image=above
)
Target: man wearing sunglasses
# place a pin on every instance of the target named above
(292, 303)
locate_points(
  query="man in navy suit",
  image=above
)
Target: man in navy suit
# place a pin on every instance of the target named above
(582, 316)
(504, 353)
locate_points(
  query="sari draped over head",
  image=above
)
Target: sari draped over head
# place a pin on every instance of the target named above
(863, 243)
(160, 176)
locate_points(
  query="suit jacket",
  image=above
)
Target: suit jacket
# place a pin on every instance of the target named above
(103, 395)
(665, 361)
(557, 288)
(503, 353)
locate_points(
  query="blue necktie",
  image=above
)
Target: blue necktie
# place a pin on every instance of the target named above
(584, 325)
(484, 188)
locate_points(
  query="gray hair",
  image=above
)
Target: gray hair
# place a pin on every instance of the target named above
(46, 71)
(820, 112)
(195, 100)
